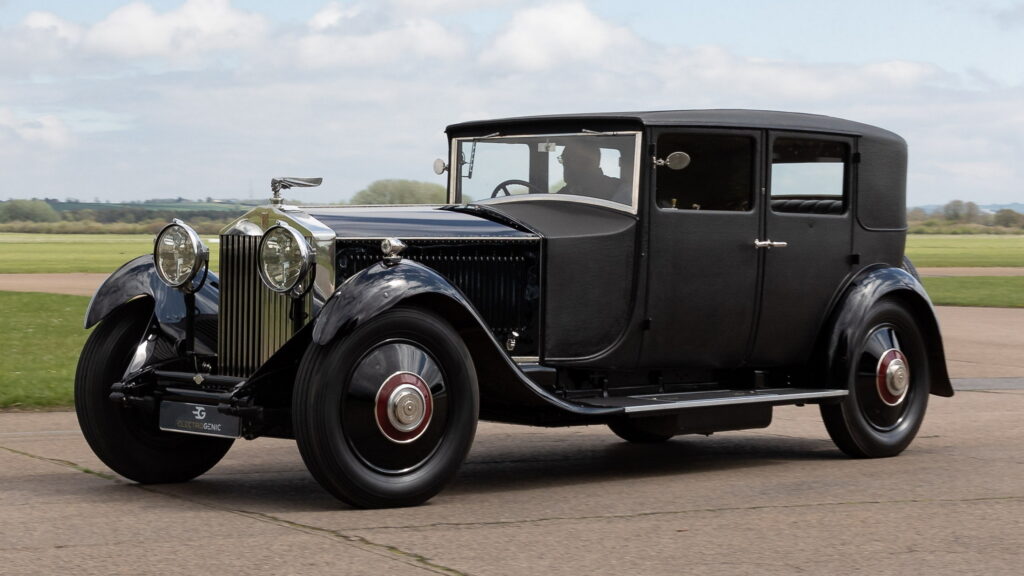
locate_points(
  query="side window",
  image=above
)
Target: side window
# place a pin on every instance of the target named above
(720, 175)
(809, 175)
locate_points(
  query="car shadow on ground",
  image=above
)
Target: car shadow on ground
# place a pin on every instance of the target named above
(504, 465)
(504, 468)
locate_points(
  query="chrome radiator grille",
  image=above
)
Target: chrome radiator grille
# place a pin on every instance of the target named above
(254, 320)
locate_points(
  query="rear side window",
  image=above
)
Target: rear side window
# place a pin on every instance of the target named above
(809, 175)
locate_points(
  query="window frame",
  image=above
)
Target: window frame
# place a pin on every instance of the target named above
(848, 172)
(632, 208)
(756, 137)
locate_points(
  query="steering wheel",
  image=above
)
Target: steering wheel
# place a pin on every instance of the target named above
(503, 187)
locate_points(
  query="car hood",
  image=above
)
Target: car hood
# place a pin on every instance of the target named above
(411, 222)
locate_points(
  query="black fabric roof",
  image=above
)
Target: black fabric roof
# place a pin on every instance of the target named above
(704, 118)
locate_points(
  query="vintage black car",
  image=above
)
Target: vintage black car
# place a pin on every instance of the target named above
(660, 273)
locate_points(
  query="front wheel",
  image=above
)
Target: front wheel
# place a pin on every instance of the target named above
(126, 438)
(385, 416)
(888, 380)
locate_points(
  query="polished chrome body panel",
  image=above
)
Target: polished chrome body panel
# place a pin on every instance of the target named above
(255, 321)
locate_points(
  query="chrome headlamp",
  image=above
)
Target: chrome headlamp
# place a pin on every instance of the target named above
(285, 260)
(179, 255)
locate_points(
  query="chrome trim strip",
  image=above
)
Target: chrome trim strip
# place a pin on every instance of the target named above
(475, 238)
(526, 359)
(757, 399)
(560, 198)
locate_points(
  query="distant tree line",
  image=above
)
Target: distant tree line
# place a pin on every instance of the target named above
(959, 217)
(49, 215)
(37, 215)
(401, 192)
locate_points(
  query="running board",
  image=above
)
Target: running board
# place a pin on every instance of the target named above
(652, 403)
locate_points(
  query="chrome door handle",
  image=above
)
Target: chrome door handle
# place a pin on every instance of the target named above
(769, 244)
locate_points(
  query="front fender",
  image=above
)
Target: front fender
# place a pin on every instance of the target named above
(506, 392)
(871, 286)
(374, 290)
(138, 278)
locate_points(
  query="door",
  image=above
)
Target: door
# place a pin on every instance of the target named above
(703, 268)
(807, 210)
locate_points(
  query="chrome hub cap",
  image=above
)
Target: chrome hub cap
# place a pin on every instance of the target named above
(892, 377)
(403, 407)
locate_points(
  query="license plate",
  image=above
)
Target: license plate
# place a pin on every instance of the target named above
(197, 419)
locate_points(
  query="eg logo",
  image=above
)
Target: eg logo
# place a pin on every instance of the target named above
(199, 413)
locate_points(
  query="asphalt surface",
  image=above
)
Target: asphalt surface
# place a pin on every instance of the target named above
(781, 500)
(535, 501)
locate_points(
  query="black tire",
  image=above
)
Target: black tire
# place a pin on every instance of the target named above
(875, 421)
(345, 398)
(127, 439)
(629, 430)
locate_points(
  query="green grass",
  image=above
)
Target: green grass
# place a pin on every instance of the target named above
(943, 251)
(59, 253)
(991, 291)
(41, 337)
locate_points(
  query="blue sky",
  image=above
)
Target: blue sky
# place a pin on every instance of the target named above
(131, 100)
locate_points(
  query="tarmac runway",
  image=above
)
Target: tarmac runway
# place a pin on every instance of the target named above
(532, 501)
(782, 500)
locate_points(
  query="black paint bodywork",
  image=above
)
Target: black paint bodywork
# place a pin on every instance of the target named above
(609, 302)
(138, 278)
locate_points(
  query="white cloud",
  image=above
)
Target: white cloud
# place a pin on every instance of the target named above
(45, 129)
(49, 23)
(544, 37)
(256, 99)
(331, 16)
(409, 40)
(444, 6)
(136, 30)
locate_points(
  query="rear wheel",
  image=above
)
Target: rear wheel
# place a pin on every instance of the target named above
(888, 381)
(385, 416)
(127, 438)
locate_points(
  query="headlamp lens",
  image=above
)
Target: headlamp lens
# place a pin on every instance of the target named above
(179, 254)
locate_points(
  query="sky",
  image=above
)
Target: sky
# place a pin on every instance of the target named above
(118, 101)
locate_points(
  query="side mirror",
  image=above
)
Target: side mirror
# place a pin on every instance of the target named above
(674, 161)
(440, 167)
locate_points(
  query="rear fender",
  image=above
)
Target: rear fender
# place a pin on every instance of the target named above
(506, 392)
(138, 279)
(871, 286)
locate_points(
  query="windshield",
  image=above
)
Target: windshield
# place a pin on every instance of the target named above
(589, 167)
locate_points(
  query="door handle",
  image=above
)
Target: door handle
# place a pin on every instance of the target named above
(769, 244)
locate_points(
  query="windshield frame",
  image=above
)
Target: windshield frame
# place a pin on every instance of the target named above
(632, 208)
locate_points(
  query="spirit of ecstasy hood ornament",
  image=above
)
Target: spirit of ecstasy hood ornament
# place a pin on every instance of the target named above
(278, 184)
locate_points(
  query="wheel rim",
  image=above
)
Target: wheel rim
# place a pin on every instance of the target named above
(883, 380)
(394, 410)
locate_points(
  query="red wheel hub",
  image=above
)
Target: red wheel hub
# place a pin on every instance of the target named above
(403, 407)
(892, 377)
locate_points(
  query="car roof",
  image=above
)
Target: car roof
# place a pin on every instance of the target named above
(724, 118)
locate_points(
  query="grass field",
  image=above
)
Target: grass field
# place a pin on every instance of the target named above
(990, 291)
(941, 251)
(41, 336)
(56, 253)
